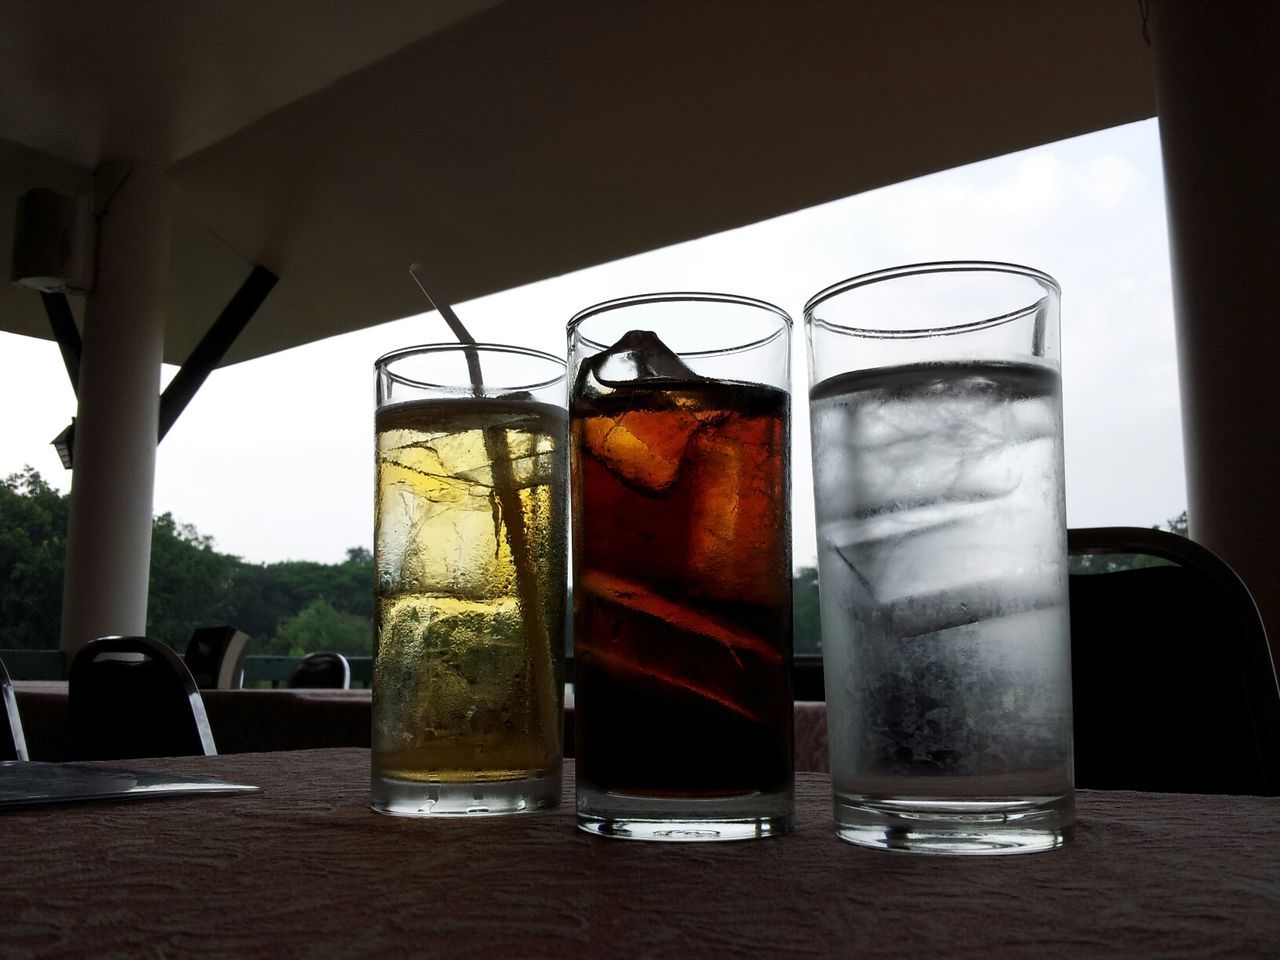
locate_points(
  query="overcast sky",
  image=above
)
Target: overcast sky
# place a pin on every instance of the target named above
(274, 457)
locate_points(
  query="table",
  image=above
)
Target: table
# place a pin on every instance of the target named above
(304, 869)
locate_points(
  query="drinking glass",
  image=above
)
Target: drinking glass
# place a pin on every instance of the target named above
(470, 540)
(936, 412)
(679, 424)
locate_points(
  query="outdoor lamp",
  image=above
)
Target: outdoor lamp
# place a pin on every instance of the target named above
(64, 443)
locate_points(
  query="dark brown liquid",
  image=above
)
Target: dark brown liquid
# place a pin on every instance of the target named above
(682, 590)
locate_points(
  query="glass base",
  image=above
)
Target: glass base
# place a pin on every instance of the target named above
(494, 798)
(684, 819)
(956, 827)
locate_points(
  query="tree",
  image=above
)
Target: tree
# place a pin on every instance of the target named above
(318, 626)
(267, 594)
(299, 605)
(806, 618)
(190, 583)
(33, 546)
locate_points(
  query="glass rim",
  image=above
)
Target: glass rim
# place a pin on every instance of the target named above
(684, 296)
(383, 363)
(924, 269)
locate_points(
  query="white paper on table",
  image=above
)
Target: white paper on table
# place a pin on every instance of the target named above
(34, 783)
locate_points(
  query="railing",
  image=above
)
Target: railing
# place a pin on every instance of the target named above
(278, 670)
(51, 665)
(34, 664)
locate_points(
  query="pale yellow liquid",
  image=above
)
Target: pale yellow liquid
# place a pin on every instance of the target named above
(469, 591)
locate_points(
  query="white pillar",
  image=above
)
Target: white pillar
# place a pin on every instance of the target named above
(109, 531)
(1217, 77)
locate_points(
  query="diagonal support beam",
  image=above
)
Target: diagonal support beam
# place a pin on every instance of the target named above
(58, 309)
(214, 345)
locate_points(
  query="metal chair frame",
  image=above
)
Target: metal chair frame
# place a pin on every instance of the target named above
(90, 716)
(13, 744)
(1240, 649)
(320, 663)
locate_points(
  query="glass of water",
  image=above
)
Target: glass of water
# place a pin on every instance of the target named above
(936, 410)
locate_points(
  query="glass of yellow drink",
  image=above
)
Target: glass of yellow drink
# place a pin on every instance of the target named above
(470, 537)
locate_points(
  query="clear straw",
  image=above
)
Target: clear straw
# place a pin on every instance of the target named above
(455, 324)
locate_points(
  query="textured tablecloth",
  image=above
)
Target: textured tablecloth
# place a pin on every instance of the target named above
(304, 869)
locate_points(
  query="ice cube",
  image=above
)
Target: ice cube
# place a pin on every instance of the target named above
(638, 355)
(736, 511)
(643, 448)
(924, 452)
(642, 443)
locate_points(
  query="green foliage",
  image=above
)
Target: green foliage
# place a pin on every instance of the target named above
(33, 544)
(190, 583)
(1178, 525)
(806, 621)
(290, 607)
(318, 626)
(268, 594)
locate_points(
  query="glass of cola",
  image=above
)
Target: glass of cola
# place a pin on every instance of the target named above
(679, 440)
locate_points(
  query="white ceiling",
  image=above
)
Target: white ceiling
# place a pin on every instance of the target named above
(335, 143)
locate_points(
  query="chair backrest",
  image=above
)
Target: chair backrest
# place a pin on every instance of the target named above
(1173, 684)
(133, 697)
(215, 657)
(322, 670)
(13, 745)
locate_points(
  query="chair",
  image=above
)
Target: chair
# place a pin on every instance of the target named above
(132, 697)
(215, 657)
(322, 671)
(13, 745)
(1173, 684)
